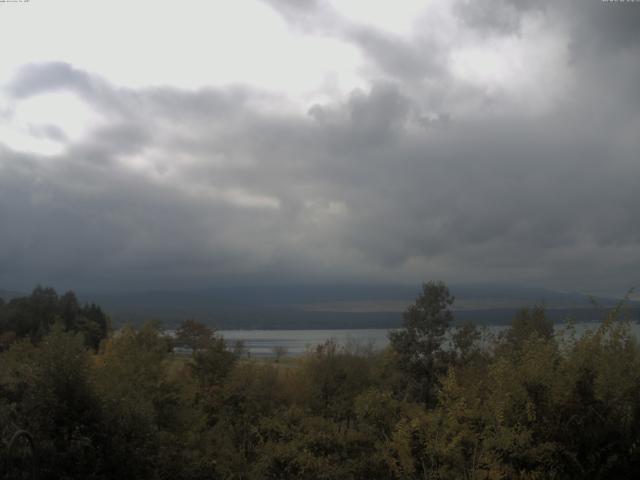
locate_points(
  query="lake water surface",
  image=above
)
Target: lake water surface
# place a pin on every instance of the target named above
(261, 343)
(297, 342)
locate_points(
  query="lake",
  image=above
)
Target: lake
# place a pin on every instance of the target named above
(260, 343)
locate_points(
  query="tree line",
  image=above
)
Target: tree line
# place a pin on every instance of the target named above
(443, 401)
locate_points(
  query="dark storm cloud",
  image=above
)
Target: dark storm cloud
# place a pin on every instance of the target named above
(407, 180)
(561, 189)
(591, 24)
(38, 78)
(497, 16)
(605, 43)
(397, 57)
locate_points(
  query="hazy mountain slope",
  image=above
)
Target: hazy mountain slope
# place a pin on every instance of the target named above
(333, 306)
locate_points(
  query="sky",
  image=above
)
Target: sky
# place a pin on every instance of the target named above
(154, 145)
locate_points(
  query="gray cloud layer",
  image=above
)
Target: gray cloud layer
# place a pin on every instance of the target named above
(421, 176)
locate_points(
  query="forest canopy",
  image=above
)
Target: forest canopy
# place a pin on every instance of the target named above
(442, 401)
(33, 316)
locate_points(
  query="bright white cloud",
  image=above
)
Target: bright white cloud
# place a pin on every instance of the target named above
(46, 123)
(399, 16)
(529, 67)
(188, 44)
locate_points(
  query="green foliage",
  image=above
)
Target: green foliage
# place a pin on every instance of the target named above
(440, 403)
(534, 410)
(141, 403)
(236, 410)
(529, 322)
(48, 391)
(33, 317)
(334, 377)
(194, 335)
(419, 343)
(298, 445)
(465, 342)
(211, 361)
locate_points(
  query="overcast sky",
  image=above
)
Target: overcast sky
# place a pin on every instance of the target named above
(185, 144)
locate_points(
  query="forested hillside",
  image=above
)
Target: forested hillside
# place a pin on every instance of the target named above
(319, 306)
(526, 404)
